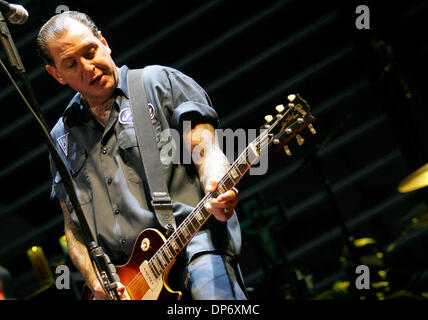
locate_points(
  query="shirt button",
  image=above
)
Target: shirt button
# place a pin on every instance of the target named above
(109, 180)
(104, 151)
(123, 241)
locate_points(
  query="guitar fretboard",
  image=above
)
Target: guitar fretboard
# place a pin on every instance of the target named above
(197, 218)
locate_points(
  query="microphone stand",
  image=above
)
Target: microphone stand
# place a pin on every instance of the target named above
(104, 268)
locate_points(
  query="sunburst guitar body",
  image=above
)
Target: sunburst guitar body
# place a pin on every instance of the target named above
(136, 270)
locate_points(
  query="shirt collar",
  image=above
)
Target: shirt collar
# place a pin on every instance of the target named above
(122, 84)
(76, 103)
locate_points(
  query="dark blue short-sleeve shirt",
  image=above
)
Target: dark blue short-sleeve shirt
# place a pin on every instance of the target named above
(106, 166)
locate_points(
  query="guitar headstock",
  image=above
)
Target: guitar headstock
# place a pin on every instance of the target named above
(288, 122)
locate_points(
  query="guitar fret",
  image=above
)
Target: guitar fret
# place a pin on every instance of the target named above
(195, 223)
(247, 157)
(229, 180)
(165, 257)
(229, 183)
(233, 173)
(253, 148)
(199, 215)
(174, 246)
(162, 259)
(221, 188)
(243, 167)
(153, 268)
(185, 232)
(158, 263)
(179, 242)
(157, 266)
(190, 227)
(182, 238)
(169, 252)
(236, 167)
(232, 176)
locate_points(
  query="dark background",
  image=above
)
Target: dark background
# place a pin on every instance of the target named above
(367, 89)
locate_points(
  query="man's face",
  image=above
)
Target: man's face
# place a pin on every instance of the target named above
(83, 61)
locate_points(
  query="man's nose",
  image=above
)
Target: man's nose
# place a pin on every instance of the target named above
(87, 66)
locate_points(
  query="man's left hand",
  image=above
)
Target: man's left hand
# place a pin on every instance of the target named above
(223, 206)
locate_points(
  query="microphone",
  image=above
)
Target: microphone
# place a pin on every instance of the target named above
(15, 13)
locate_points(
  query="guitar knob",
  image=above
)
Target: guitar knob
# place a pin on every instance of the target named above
(299, 139)
(312, 129)
(268, 118)
(287, 150)
(280, 108)
(145, 244)
(291, 97)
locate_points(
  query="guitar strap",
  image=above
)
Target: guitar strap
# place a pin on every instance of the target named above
(160, 199)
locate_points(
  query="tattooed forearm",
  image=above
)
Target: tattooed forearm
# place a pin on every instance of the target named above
(77, 249)
(207, 155)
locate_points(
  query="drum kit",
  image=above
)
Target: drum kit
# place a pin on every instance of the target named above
(416, 180)
(398, 271)
(405, 258)
(407, 255)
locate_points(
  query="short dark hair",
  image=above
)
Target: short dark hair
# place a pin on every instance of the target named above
(58, 25)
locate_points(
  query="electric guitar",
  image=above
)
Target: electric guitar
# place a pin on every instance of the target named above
(145, 274)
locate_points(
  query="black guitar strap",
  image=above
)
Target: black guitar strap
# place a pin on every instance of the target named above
(159, 196)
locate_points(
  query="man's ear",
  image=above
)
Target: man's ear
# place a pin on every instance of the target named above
(103, 41)
(54, 73)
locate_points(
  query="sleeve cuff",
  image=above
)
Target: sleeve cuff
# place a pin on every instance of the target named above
(196, 113)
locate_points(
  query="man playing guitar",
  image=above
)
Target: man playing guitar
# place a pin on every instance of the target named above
(97, 142)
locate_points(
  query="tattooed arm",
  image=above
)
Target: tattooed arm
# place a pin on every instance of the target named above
(80, 257)
(211, 164)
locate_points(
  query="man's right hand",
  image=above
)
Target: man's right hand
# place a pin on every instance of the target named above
(99, 294)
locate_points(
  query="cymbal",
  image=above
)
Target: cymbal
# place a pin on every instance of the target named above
(416, 180)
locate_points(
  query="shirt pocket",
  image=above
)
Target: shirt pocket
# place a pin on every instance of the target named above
(130, 154)
(77, 168)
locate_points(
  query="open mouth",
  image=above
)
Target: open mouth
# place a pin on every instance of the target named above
(96, 80)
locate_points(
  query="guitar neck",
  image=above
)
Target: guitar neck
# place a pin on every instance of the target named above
(278, 130)
(199, 216)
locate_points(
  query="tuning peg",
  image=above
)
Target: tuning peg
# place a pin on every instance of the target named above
(268, 118)
(312, 129)
(291, 97)
(299, 139)
(280, 108)
(287, 150)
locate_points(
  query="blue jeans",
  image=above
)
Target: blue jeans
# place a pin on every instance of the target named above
(213, 276)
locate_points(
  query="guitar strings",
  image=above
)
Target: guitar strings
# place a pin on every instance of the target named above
(242, 157)
(192, 215)
(187, 221)
(200, 206)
